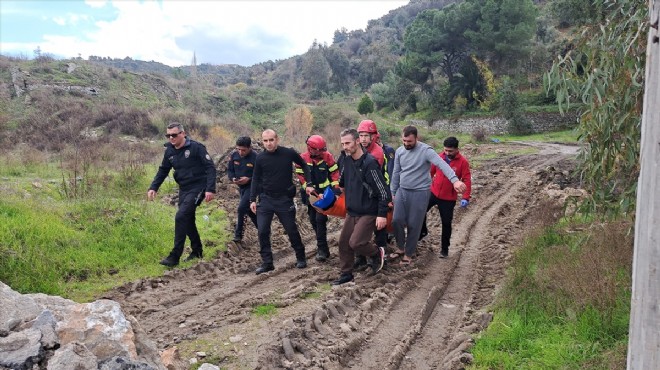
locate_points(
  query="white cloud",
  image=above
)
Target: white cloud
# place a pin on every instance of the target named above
(242, 32)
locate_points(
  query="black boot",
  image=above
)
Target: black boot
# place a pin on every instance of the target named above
(265, 268)
(170, 261)
(322, 254)
(344, 278)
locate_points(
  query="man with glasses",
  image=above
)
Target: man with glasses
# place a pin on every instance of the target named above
(194, 172)
(239, 170)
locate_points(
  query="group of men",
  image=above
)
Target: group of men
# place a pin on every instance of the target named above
(373, 177)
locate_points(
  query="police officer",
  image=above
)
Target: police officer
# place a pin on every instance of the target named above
(194, 172)
(239, 171)
(324, 173)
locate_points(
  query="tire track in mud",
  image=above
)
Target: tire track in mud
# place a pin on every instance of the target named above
(413, 317)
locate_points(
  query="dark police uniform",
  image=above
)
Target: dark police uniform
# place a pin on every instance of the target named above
(236, 168)
(194, 172)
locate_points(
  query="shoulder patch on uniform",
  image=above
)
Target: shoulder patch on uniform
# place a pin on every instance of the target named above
(208, 157)
(186, 153)
(237, 163)
(250, 165)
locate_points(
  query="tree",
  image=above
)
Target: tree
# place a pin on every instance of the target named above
(298, 123)
(605, 71)
(504, 29)
(315, 72)
(340, 67)
(366, 105)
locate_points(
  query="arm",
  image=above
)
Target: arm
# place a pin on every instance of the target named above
(466, 177)
(333, 170)
(297, 160)
(207, 161)
(396, 175)
(231, 171)
(374, 178)
(161, 175)
(433, 158)
(255, 187)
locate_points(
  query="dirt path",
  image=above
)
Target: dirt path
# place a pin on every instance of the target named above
(413, 317)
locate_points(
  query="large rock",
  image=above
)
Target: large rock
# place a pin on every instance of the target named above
(38, 331)
(73, 356)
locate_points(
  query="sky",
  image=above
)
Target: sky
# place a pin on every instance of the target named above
(172, 31)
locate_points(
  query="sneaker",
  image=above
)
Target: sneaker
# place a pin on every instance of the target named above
(344, 278)
(360, 263)
(193, 256)
(301, 264)
(444, 253)
(170, 261)
(264, 268)
(378, 261)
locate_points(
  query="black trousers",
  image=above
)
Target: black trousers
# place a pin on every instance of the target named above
(244, 210)
(446, 208)
(285, 211)
(184, 225)
(319, 223)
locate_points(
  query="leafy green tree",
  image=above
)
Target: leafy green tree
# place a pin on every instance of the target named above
(605, 71)
(315, 72)
(505, 28)
(340, 67)
(366, 105)
(511, 109)
(393, 92)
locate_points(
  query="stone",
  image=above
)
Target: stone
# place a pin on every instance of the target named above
(15, 308)
(120, 363)
(206, 366)
(46, 323)
(20, 350)
(73, 355)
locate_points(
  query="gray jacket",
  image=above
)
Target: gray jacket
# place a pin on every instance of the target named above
(412, 168)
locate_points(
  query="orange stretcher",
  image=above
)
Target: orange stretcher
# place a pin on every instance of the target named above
(333, 205)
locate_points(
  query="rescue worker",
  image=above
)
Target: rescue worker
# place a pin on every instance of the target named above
(239, 171)
(324, 172)
(194, 172)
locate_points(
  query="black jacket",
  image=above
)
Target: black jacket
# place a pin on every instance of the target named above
(241, 166)
(273, 173)
(193, 167)
(364, 184)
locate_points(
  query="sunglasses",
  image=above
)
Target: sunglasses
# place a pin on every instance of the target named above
(172, 135)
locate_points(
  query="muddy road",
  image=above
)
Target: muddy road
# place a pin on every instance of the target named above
(420, 316)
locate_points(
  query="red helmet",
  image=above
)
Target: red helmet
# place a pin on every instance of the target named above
(316, 142)
(367, 126)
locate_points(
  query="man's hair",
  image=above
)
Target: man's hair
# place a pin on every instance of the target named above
(450, 142)
(244, 141)
(410, 130)
(350, 131)
(175, 125)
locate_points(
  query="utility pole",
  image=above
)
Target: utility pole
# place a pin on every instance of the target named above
(644, 333)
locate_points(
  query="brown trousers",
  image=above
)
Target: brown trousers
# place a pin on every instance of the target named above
(355, 238)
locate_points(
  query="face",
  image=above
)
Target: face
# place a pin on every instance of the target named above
(270, 140)
(451, 152)
(315, 153)
(176, 137)
(349, 145)
(409, 141)
(243, 150)
(365, 139)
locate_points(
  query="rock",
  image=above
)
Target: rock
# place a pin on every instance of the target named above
(206, 366)
(101, 327)
(14, 309)
(20, 350)
(236, 338)
(46, 323)
(73, 356)
(171, 359)
(120, 363)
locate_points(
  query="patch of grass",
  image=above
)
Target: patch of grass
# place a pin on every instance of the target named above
(566, 137)
(78, 249)
(566, 303)
(264, 310)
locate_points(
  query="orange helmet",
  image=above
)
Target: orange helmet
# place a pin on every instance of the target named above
(367, 126)
(316, 142)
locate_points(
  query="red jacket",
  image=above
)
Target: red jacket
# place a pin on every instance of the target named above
(442, 188)
(324, 171)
